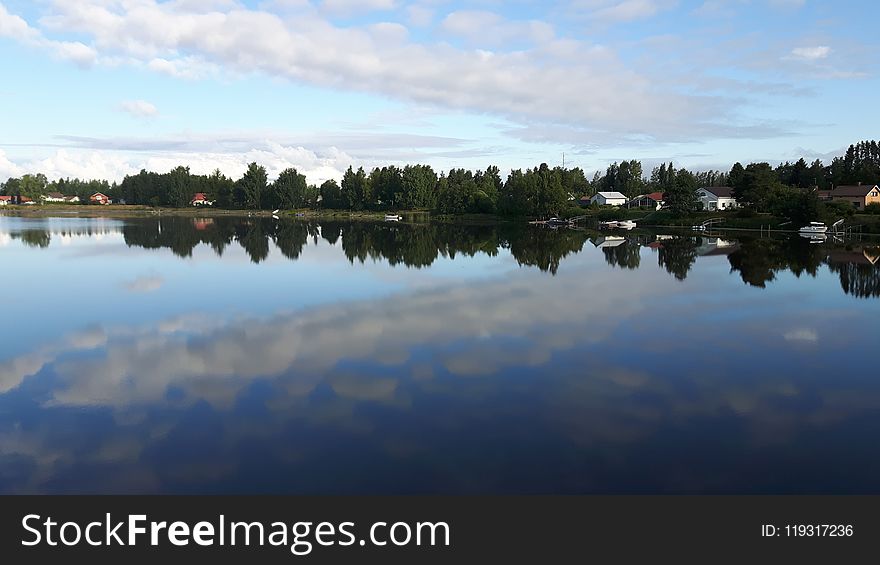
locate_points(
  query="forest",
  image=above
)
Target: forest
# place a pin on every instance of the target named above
(787, 189)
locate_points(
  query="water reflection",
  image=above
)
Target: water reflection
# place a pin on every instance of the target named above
(756, 260)
(619, 373)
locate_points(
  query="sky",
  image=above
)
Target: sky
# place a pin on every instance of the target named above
(104, 88)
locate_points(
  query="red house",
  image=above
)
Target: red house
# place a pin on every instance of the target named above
(98, 198)
(201, 199)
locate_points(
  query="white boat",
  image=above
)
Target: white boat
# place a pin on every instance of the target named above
(392, 218)
(814, 227)
(814, 237)
(608, 225)
(626, 224)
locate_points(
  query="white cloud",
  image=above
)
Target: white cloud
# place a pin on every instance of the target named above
(145, 284)
(811, 53)
(802, 335)
(114, 165)
(481, 27)
(139, 108)
(353, 7)
(15, 27)
(558, 80)
(8, 168)
(630, 10)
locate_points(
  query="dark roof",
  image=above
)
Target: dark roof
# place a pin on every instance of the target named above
(55, 195)
(719, 191)
(860, 190)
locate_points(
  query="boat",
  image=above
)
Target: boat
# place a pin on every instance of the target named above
(392, 218)
(557, 222)
(626, 224)
(814, 227)
(699, 228)
(275, 212)
(814, 237)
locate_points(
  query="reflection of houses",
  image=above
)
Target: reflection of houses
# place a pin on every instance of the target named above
(716, 198)
(201, 199)
(5, 200)
(53, 197)
(653, 200)
(715, 246)
(866, 256)
(202, 224)
(608, 199)
(99, 198)
(604, 241)
(859, 195)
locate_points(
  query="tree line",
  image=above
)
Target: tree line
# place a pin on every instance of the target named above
(787, 189)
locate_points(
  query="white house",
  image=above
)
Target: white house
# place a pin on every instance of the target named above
(200, 199)
(53, 197)
(5, 200)
(716, 198)
(609, 199)
(72, 199)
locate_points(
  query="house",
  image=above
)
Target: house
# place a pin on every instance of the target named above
(859, 196)
(609, 199)
(605, 241)
(716, 198)
(72, 199)
(98, 198)
(5, 200)
(201, 199)
(53, 197)
(653, 201)
(25, 201)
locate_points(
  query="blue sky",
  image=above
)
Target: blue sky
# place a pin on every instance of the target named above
(102, 88)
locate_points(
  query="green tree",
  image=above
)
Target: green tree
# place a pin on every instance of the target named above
(331, 195)
(288, 191)
(249, 189)
(418, 184)
(681, 197)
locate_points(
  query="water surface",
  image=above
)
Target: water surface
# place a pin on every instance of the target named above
(246, 355)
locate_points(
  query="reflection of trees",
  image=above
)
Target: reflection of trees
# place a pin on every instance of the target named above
(678, 255)
(543, 248)
(626, 255)
(35, 238)
(859, 271)
(413, 245)
(758, 260)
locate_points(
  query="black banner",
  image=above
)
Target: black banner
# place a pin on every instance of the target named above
(289, 529)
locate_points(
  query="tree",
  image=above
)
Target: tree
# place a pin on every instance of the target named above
(417, 184)
(219, 188)
(249, 188)
(331, 195)
(33, 186)
(179, 190)
(288, 191)
(758, 183)
(681, 197)
(356, 189)
(736, 177)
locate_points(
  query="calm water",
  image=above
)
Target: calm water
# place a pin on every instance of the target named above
(254, 355)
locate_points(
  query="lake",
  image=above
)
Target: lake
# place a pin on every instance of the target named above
(253, 355)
